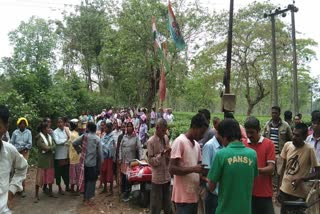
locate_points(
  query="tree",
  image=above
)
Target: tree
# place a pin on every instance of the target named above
(82, 36)
(251, 62)
(33, 61)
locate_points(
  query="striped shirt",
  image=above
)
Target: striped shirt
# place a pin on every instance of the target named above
(274, 136)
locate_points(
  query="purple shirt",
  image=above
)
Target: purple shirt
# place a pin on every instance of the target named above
(143, 133)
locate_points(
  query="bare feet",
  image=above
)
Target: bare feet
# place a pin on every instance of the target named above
(109, 194)
(36, 200)
(51, 195)
(88, 203)
(103, 191)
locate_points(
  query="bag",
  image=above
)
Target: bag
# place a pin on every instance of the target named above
(140, 173)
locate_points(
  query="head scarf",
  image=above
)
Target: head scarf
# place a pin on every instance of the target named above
(143, 117)
(22, 119)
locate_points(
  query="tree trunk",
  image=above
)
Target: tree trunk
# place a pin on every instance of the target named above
(153, 89)
(250, 108)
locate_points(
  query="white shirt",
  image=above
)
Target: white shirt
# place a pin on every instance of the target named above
(169, 118)
(62, 148)
(312, 141)
(10, 158)
(116, 134)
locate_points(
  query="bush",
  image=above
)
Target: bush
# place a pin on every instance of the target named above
(19, 108)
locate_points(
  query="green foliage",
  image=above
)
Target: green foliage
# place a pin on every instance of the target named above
(109, 59)
(251, 62)
(19, 108)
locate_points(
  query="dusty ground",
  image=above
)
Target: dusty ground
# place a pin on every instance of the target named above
(68, 204)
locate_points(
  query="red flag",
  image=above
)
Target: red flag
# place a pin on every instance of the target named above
(162, 85)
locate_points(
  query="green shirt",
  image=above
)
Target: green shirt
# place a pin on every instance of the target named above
(45, 152)
(234, 168)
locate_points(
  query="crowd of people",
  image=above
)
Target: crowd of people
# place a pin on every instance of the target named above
(226, 168)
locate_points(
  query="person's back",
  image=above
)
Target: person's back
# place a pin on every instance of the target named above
(92, 148)
(239, 170)
(234, 168)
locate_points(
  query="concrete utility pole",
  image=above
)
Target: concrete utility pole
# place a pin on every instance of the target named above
(295, 69)
(278, 11)
(275, 99)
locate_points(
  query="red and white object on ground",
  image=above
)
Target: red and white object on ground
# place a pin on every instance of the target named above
(139, 171)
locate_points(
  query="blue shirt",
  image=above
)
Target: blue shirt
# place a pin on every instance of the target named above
(21, 140)
(108, 146)
(61, 139)
(209, 152)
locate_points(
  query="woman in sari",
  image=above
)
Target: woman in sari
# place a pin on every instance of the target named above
(130, 148)
(108, 150)
(22, 140)
(45, 170)
(102, 130)
(101, 133)
(74, 167)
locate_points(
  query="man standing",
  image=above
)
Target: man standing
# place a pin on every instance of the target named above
(262, 187)
(216, 121)
(314, 138)
(298, 160)
(288, 118)
(158, 157)
(234, 168)
(10, 158)
(61, 160)
(209, 152)
(208, 135)
(279, 132)
(83, 120)
(186, 168)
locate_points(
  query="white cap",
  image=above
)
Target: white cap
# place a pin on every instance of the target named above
(74, 120)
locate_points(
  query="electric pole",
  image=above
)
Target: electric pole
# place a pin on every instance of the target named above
(229, 49)
(275, 99)
(294, 59)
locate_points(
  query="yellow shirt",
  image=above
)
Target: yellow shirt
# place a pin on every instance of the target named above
(299, 163)
(73, 155)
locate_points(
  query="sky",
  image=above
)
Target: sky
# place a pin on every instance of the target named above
(12, 12)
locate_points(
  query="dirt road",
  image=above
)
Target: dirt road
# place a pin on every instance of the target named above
(69, 204)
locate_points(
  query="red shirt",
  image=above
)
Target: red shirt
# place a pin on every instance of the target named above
(265, 150)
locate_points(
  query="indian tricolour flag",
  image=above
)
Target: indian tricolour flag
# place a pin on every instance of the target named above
(175, 29)
(158, 38)
(160, 44)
